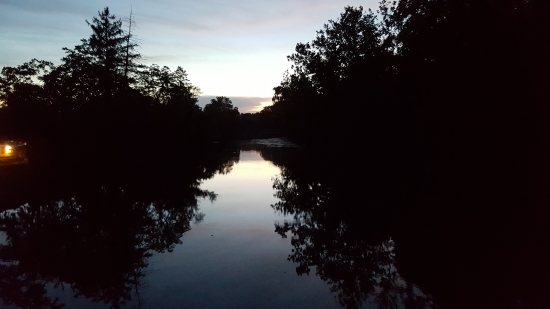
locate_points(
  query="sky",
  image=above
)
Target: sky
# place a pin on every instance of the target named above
(233, 48)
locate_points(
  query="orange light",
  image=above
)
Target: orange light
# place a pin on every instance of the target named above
(8, 149)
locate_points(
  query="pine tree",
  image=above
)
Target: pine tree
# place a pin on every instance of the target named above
(99, 67)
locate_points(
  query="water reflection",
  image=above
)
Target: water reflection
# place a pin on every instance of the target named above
(94, 232)
(360, 269)
(454, 245)
(97, 242)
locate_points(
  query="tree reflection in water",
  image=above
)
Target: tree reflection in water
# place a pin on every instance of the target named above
(98, 241)
(327, 236)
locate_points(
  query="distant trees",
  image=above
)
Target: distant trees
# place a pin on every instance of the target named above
(166, 87)
(222, 117)
(221, 105)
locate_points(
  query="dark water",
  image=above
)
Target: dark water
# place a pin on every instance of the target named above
(256, 226)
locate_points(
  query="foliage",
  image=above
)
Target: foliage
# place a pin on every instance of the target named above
(221, 117)
(340, 50)
(437, 91)
(100, 94)
(221, 105)
(98, 67)
(419, 70)
(447, 105)
(165, 86)
(347, 63)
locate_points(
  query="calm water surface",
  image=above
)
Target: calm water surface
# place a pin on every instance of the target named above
(234, 259)
(257, 225)
(227, 244)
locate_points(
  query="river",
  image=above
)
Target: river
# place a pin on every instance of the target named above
(256, 225)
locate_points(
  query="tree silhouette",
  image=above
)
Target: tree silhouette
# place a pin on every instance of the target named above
(345, 68)
(97, 68)
(167, 87)
(108, 42)
(101, 97)
(221, 105)
(453, 127)
(25, 102)
(222, 117)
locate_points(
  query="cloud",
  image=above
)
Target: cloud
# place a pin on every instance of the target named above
(244, 104)
(45, 7)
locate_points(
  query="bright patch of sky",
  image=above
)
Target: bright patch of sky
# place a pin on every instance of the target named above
(234, 48)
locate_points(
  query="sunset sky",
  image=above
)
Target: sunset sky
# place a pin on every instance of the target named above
(235, 48)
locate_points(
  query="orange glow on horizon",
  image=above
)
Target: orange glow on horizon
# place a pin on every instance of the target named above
(259, 108)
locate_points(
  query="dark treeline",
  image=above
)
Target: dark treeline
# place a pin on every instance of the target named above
(446, 99)
(102, 101)
(443, 104)
(420, 71)
(445, 95)
(117, 152)
(432, 117)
